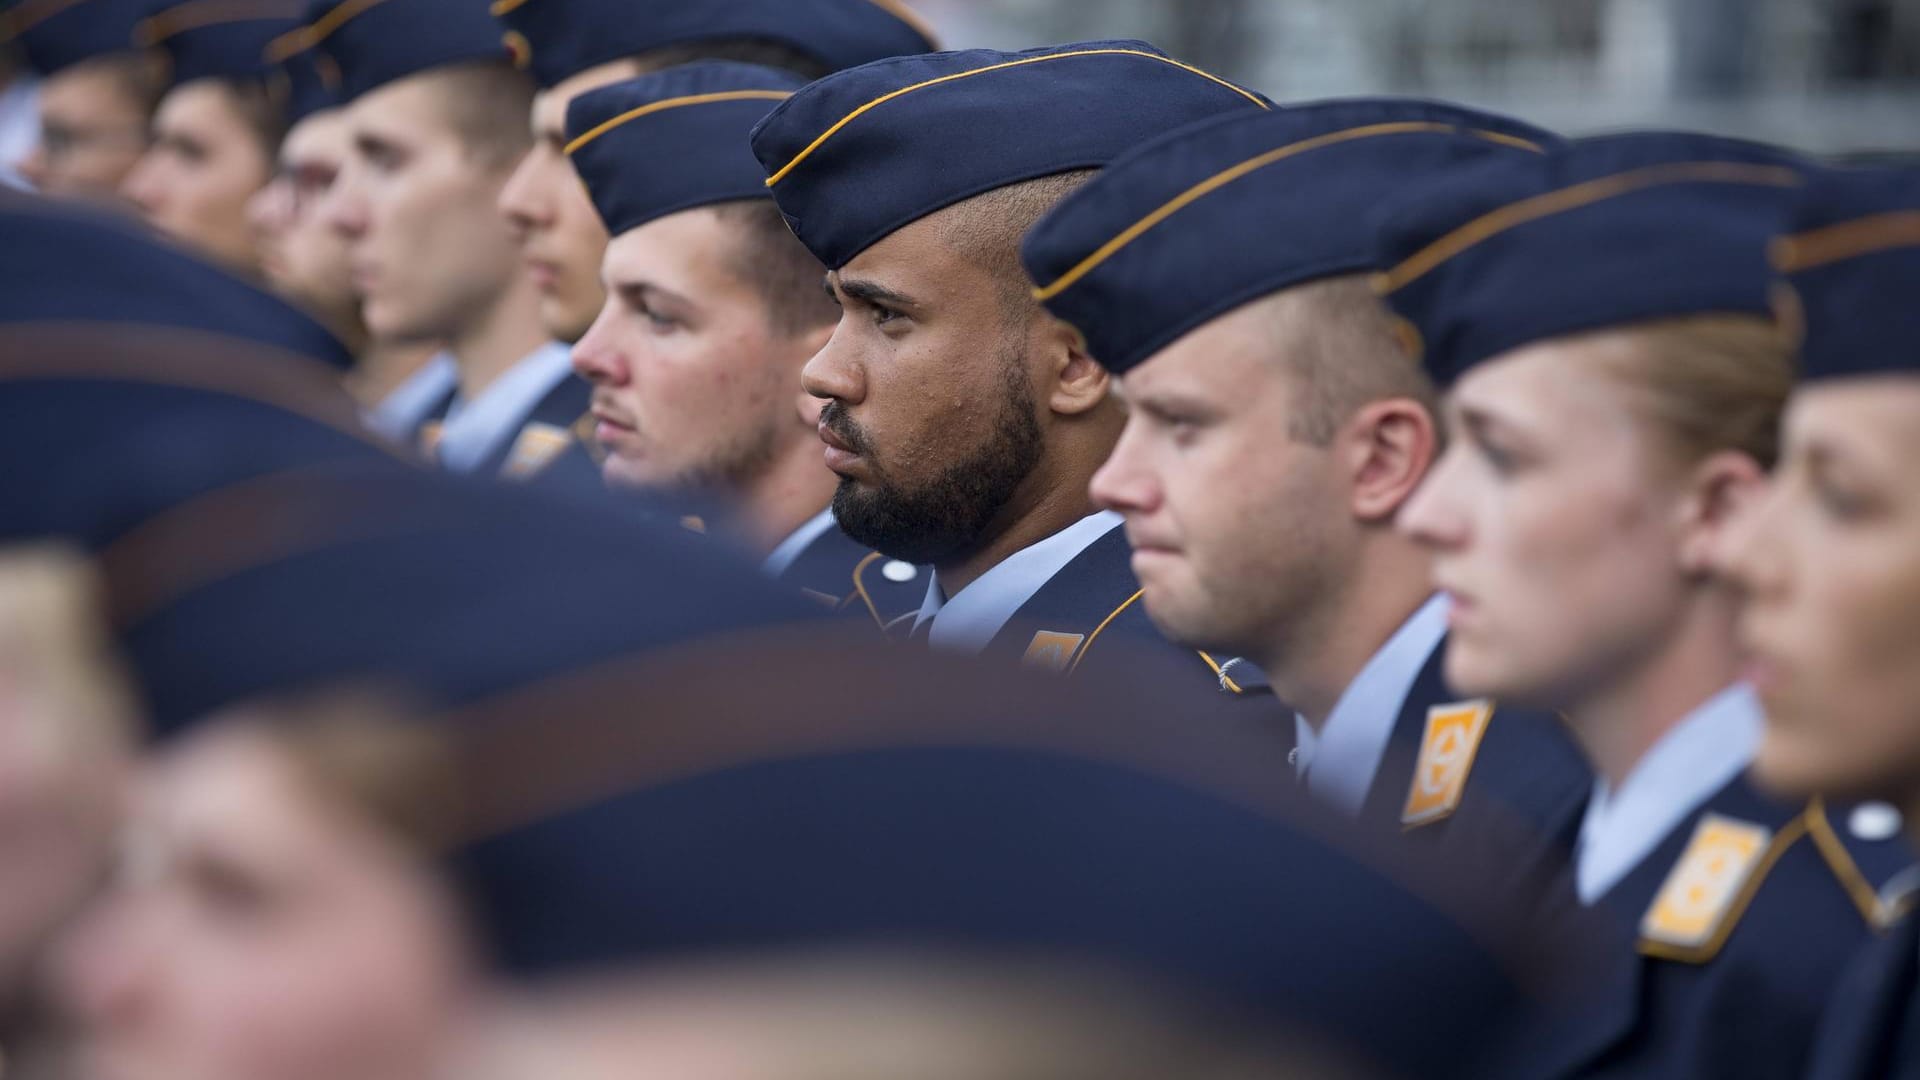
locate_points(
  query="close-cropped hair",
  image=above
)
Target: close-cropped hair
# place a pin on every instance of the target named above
(487, 102)
(1337, 340)
(767, 256)
(988, 228)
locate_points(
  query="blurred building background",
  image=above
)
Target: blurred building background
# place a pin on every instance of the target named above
(1824, 75)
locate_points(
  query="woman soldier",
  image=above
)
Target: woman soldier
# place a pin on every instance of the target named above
(1601, 318)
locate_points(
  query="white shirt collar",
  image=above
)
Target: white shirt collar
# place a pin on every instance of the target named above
(19, 120)
(400, 414)
(968, 622)
(1346, 752)
(1698, 757)
(789, 550)
(478, 429)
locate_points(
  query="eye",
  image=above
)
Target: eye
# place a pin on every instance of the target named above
(1839, 502)
(884, 315)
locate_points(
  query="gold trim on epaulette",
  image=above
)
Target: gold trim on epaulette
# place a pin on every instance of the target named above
(1711, 887)
(803, 155)
(1531, 209)
(1448, 750)
(1246, 168)
(674, 103)
(1087, 646)
(1834, 850)
(519, 49)
(1846, 240)
(1220, 672)
(860, 589)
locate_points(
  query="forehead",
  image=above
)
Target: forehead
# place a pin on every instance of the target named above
(690, 242)
(1552, 383)
(1232, 355)
(225, 781)
(321, 137)
(203, 104)
(922, 261)
(409, 110)
(1872, 418)
(550, 104)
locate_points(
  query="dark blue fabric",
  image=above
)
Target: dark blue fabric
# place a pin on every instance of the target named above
(1000, 848)
(853, 577)
(1871, 1027)
(998, 118)
(1854, 303)
(566, 37)
(1628, 228)
(1524, 798)
(72, 33)
(311, 85)
(1751, 1009)
(1290, 195)
(202, 47)
(392, 39)
(63, 263)
(706, 141)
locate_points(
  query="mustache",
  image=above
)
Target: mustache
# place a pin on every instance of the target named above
(835, 419)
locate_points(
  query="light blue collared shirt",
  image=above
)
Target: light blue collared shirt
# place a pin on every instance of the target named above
(1699, 756)
(399, 415)
(1343, 757)
(477, 430)
(968, 622)
(783, 556)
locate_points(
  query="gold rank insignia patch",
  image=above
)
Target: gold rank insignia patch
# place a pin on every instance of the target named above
(1446, 757)
(1051, 651)
(1708, 887)
(538, 446)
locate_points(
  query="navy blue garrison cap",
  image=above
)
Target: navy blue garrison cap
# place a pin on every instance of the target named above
(1198, 222)
(672, 140)
(562, 38)
(218, 38)
(70, 265)
(373, 42)
(1852, 269)
(1606, 232)
(56, 34)
(680, 813)
(860, 154)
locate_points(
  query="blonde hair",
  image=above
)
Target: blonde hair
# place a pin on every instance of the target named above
(1708, 384)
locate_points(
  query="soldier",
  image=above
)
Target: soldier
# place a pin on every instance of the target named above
(963, 420)
(1275, 428)
(217, 130)
(97, 94)
(1828, 567)
(427, 87)
(400, 385)
(713, 308)
(572, 46)
(1600, 316)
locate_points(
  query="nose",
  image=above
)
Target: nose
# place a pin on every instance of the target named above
(834, 374)
(144, 187)
(270, 208)
(102, 966)
(1753, 554)
(1124, 483)
(1434, 517)
(595, 356)
(344, 207)
(520, 201)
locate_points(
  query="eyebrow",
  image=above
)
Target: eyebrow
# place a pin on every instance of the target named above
(869, 293)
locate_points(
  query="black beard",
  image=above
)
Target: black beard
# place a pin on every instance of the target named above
(948, 516)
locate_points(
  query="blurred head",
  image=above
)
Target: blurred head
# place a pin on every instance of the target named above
(271, 917)
(1263, 453)
(214, 142)
(1830, 563)
(429, 254)
(1590, 479)
(93, 125)
(948, 387)
(859, 1017)
(67, 723)
(547, 206)
(711, 313)
(300, 254)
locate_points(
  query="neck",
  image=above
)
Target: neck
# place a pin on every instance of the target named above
(500, 336)
(1052, 499)
(786, 495)
(1313, 661)
(382, 368)
(1616, 724)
